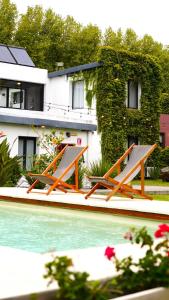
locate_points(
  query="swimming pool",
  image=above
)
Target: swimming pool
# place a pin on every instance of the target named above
(42, 229)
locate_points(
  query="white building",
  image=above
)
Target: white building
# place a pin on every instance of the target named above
(31, 99)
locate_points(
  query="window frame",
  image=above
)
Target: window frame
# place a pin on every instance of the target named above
(73, 93)
(129, 92)
(24, 156)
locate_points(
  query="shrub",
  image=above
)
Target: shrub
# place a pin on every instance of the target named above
(10, 170)
(164, 157)
(40, 163)
(149, 271)
(99, 168)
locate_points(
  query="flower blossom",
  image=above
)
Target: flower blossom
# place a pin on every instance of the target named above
(160, 232)
(109, 252)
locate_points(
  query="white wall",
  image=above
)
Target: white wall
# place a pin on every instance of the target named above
(23, 73)
(13, 131)
(58, 99)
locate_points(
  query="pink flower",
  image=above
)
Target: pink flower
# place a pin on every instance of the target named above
(109, 252)
(164, 227)
(158, 233)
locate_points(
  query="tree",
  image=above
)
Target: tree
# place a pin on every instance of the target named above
(69, 41)
(113, 39)
(88, 42)
(8, 17)
(29, 34)
(52, 32)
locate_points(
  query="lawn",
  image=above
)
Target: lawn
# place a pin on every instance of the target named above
(161, 197)
(155, 182)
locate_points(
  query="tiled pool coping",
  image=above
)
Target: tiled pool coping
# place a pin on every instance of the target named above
(157, 210)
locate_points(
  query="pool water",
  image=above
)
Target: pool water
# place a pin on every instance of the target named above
(42, 229)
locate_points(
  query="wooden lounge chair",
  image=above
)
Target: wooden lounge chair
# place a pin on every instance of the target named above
(68, 164)
(120, 184)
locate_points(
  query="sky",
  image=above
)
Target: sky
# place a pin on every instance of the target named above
(143, 16)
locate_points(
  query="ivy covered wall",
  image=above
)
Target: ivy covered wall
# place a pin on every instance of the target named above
(115, 121)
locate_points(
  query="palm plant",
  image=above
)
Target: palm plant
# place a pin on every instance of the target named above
(10, 170)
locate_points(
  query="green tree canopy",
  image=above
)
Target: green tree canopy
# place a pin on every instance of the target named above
(8, 17)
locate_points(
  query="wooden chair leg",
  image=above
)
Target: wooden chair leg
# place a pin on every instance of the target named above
(92, 190)
(32, 186)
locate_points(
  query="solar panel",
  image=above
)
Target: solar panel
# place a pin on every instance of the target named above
(21, 56)
(5, 55)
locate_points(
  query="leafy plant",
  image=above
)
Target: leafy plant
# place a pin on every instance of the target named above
(149, 271)
(40, 163)
(73, 285)
(164, 157)
(99, 168)
(10, 170)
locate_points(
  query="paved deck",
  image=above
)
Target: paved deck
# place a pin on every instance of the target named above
(117, 205)
(22, 272)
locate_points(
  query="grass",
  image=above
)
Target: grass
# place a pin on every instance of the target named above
(161, 197)
(154, 182)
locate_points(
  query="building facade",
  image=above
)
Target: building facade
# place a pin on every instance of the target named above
(33, 101)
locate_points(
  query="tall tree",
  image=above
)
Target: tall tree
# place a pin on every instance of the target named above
(113, 39)
(8, 17)
(88, 41)
(52, 32)
(69, 41)
(29, 34)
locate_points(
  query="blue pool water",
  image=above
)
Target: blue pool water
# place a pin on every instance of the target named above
(41, 229)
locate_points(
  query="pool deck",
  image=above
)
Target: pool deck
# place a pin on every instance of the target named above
(22, 272)
(157, 210)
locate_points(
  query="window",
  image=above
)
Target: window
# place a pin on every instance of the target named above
(26, 150)
(16, 98)
(21, 95)
(162, 140)
(133, 94)
(78, 94)
(132, 140)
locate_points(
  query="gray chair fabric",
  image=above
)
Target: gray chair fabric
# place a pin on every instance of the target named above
(138, 152)
(68, 157)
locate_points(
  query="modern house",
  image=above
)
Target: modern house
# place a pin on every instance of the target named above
(31, 100)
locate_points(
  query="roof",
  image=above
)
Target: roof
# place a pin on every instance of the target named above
(75, 69)
(47, 123)
(15, 55)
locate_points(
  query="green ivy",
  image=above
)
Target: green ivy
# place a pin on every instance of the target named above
(115, 120)
(164, 103)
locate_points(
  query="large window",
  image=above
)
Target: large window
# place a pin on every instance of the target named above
(21, 95)
(78, 94)
(26, 151)
(133, 95)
